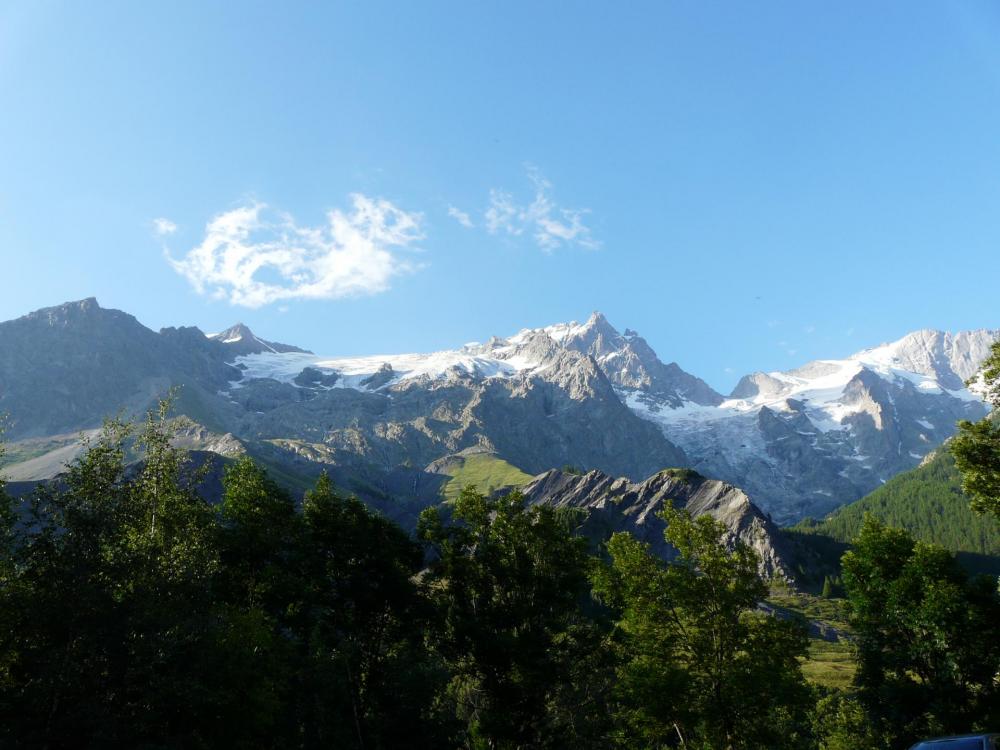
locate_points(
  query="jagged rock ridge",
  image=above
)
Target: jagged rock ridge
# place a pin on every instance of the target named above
(239, 340)
(800, 442)
(616, 504)
(805, 441)
(69, 367)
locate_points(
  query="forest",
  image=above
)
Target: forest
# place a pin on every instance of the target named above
(138, 614)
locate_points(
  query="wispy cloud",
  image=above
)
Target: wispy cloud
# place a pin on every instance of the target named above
(548, 224)
(789, 349)
(253, 256)
(163, 227)
(461, 217)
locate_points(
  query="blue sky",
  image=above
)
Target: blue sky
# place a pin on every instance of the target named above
(747, 185)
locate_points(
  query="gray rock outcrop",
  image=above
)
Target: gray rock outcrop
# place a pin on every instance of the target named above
(617, 504)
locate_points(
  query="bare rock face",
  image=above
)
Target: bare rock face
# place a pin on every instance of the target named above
(68, 367)
(616, 504)
(631, 364)
(310, 377)
(382, 377)
(191, 436)
(567, 414)
(800, 442)
(806, 441)
(239, 340)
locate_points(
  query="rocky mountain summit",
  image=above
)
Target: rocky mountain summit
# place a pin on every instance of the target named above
(240, 340)
(616, 504)
(799, 442)
(805, 441)
(631, 364)
(66, 368)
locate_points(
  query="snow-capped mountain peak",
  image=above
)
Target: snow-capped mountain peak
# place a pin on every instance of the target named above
(805, 440)
(233, 334)
(628, 362)
(240, 340)
(949, 358)
(800, 441)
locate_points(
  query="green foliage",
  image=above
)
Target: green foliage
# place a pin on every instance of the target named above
(8, 520)
(990, 373)
(976, 449)
(135, 614)
(111, 606)
(830, 660)
(132, 613)
(841, 724)
(683, 474)
(927, 502)
(977, 446)
(510, 584)
(258, 523)
(483, 471)
(365, 680)
(832, 587)
(829, 664)
(827, 588)
(928, 638)
(700, 665)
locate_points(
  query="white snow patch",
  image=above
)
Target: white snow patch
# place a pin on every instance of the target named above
(473, 360)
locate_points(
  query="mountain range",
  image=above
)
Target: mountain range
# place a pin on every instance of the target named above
(798, 443)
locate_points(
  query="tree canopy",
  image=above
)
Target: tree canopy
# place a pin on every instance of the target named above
(136, 613)
(977, 446)
(928, 637)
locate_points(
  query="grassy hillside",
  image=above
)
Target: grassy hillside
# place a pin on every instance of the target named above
(830, 661)
(929, 503)
(486, 471)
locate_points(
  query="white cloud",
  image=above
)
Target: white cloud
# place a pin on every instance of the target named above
(461, 217)
(252, 256)
(504, 214)
(550, 225)
(162, 227)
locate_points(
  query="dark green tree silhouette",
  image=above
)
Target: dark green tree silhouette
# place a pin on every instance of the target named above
(700, 664)
(928, 637)
(977, 446)
(509, 584)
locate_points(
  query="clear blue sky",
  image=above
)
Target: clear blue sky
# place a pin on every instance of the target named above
(749, 185)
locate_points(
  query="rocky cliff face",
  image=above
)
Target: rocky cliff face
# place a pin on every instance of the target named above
(617, 504)
(566, 413)
(632, 365)
(800, 442)
(239, 340)
(806, 441)
(535, 402)
(65, 368)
